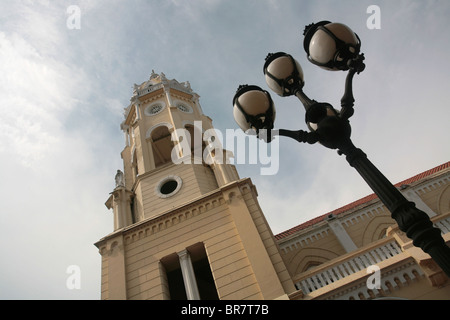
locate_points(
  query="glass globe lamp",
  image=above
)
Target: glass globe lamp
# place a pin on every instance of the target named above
(331, 46)
(253, 108)
(283, 74)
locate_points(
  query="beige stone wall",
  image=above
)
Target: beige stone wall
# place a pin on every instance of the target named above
(435, 192)
(196, 181)
(421, 289)
(264, 231)
(368, 224)
(317, 246)
(245, 265)
(104, 276)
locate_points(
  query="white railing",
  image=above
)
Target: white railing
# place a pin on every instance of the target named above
(393, 279)
(324, 276)
(149, 89)
(443, 224)
(348, 267)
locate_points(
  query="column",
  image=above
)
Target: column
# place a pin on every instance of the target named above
(187, 269)
(412, 196)
(138, 114)
(121, 207)
(341, 234)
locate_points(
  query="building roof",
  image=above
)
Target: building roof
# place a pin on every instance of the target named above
(360, 202)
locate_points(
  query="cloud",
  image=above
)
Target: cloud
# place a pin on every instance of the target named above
(29, 117)
(52, 185)
(39, 86)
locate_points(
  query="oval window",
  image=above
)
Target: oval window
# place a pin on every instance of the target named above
(184, 108)
(168, 186)
(154, 108)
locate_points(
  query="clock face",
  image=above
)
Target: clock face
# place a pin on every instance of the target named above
(184, 108)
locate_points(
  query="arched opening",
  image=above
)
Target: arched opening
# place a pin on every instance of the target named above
(134, 164)
(162, 145)
(196, 142)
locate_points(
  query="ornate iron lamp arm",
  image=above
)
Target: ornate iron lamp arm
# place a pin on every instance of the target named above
(307, 102)
(300, 135)
(355, 66)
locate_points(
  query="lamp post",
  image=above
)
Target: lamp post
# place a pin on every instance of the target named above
(334, 47)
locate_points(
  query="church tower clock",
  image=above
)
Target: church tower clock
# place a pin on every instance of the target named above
(186, 226)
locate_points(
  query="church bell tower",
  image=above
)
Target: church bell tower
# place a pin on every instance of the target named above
(185, 225)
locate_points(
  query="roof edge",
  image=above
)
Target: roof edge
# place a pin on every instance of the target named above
(360, 201)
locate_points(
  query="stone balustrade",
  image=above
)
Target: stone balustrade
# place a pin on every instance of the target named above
(353, 264)
(350, 271)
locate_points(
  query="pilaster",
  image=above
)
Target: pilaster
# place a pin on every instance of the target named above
(412, 196)
(120, 202)
(340, 233)
(223, 171)
(116, 278)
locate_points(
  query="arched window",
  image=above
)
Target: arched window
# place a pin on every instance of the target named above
(161, 144)
(382, 234)
(197, 144)
(134, 164)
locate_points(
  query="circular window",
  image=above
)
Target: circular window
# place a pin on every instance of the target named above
(154, 109)
(168, 186)
(184, 108)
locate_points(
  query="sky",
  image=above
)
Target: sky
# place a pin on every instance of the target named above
(67, 73)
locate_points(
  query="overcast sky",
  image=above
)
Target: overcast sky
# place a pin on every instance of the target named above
(63, 88)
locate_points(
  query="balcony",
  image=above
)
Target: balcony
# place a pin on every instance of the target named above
(346, 277)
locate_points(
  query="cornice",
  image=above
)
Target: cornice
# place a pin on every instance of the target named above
(171, 217)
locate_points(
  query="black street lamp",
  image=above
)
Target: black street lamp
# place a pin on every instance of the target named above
(333, 46)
